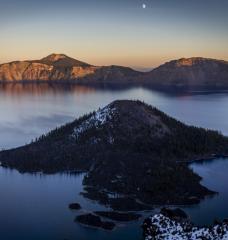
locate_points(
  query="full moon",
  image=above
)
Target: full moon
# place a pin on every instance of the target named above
(144, 6)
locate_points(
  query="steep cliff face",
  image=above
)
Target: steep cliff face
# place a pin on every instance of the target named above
(36, 71)
(13, 71)
(191, 72)
(59, 67)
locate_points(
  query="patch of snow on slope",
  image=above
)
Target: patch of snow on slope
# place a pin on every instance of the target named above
(98, 119)
(164, 228)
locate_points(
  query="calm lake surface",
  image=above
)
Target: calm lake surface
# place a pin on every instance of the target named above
(36, 206)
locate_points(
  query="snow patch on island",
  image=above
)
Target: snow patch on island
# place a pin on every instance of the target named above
(97, 120)
(160, 227)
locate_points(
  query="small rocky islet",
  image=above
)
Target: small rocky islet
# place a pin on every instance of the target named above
(106, 219)
(75, 206)
(92, 220)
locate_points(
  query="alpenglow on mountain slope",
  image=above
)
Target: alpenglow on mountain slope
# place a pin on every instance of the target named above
(128, 148)
(59, 67)
(186, 73)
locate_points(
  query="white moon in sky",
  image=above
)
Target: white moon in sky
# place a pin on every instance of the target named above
(144, 6)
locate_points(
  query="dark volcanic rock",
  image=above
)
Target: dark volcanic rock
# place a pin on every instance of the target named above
(176, 213)
(75, 206)
(94, 221)
(134, 155)
(117, 216)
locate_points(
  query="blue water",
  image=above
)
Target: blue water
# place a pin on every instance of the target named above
(36, 206)
(215, 177)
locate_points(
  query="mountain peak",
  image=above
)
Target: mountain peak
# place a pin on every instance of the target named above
(54, 57)
(126, 116)
(190, 61)
(62, 60)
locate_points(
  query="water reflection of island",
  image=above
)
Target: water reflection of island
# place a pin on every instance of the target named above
(42, 88)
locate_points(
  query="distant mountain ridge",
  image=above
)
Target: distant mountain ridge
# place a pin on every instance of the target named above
(185, 73)
(195, 72)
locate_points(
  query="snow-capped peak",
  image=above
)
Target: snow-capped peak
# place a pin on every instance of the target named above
(97, 119)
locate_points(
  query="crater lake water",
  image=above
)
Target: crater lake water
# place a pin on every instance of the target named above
(36, 206)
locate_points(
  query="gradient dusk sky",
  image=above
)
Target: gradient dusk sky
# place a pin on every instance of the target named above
(121, 32)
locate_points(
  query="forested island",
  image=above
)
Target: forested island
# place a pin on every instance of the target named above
(134, 156)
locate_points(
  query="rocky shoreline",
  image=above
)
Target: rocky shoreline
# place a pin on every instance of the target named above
(205, 158)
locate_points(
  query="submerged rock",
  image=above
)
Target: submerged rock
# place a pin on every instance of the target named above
(116, 203)
(94, 221)
(174, 225)
(117, 216)
(75, 206)
(127, 204)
